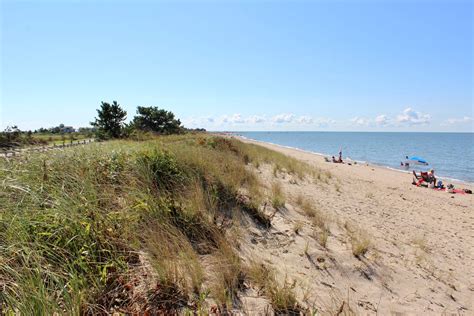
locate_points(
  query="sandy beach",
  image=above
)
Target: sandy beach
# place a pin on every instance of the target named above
(421, 254)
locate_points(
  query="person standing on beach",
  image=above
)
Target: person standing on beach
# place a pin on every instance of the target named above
(340, 155)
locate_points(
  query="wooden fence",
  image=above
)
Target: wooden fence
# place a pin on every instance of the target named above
(16, 152)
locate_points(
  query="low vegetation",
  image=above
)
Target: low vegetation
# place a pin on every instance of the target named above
(13, 137)
(322, 236)
(318, 219)
(298, 226)
(74, 224)
(277, 196)
(259, 155)
(281, 294)
(109, 124)
(359, 239)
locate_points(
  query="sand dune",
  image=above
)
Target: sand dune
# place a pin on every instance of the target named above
(420, 242)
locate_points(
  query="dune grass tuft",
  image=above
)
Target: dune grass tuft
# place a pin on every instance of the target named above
(282, 296)
(318, 219)
(277, 195)
(258, 155)
(360, 240)
(298, 226)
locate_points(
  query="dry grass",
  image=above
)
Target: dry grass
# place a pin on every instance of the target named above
(306, 206)
(277, 195)
(174, 260)
(421, 243)
(360, 240)
(322, 176)
(72, 222)
(318, 219)
(299, 200)
(298, 226)
(306, 249)
(315, 214)
(281, 296)
(322, 237)
(360, 246)
(258, 155)
(227, 276)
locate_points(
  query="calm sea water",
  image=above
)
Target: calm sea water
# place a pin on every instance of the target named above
(450, 154)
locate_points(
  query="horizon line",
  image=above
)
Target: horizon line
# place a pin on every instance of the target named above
(281, 131)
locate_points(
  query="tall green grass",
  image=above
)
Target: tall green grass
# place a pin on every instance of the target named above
(73, 222)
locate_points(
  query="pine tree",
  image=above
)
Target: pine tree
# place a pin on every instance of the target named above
(110, 120)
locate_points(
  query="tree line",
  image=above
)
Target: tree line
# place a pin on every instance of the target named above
(109, 124)
(110, 121)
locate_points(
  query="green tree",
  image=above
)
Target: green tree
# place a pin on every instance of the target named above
(156, 120)
(110, 120)
(10, 137)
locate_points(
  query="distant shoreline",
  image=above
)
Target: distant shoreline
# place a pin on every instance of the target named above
(386, 132)
(368, 163)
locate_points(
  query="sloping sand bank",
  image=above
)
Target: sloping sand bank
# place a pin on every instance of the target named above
(420, 257)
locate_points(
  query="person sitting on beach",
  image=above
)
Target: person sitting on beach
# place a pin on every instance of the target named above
(431, 177)
(427, 177)
(334, 159)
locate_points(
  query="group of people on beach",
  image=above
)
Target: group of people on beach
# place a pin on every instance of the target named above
(427, 179)
(339, 160)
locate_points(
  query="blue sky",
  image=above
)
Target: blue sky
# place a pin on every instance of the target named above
(242, 65)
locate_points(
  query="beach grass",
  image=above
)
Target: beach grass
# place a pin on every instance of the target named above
(258, 155)
(318, 218)
(75, 223)
(277, 195)
(359, 239)
(281, 294)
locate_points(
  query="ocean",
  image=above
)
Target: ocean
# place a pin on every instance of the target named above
(451, 155)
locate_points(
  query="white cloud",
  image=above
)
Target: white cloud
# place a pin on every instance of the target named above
(382, 120)
(255, 119)
(305, 119)
(237, 118)
(324, 122)
(283, 118)
(463, 120)
(232, 119)
(198, 121)
(412, 117)
(407, 117)
(361, 121)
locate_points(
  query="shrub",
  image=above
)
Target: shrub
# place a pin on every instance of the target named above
(161, 168)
